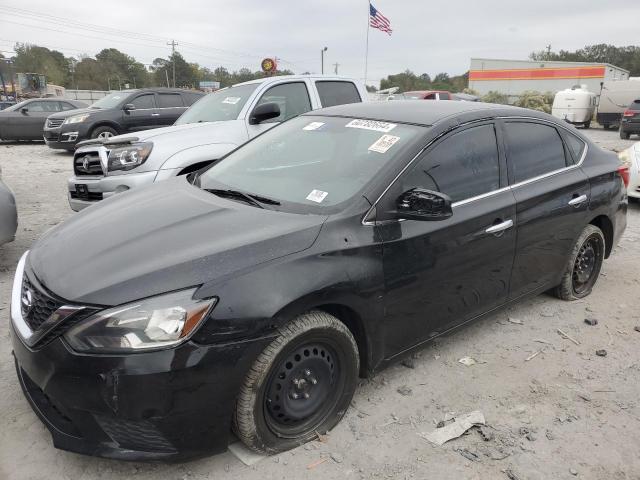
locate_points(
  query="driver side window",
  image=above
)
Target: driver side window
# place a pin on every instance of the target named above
(463, 165)
(292, 98)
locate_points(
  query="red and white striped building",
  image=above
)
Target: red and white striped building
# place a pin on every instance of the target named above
(512, 77)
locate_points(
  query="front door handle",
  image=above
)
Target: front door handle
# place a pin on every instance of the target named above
(500, 227)
(155, 114)
(575, 201)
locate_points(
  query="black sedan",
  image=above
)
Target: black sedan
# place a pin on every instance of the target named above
(25, 120)
(253, 294)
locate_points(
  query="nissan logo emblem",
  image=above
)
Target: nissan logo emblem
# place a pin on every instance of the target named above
(27, 301)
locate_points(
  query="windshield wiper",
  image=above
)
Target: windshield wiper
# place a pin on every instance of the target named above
(261, 199)
(251, 198)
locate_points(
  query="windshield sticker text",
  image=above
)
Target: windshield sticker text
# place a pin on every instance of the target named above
(384, 143)
(317, 196)
(383, 127)
(313, 126)
(231, 100)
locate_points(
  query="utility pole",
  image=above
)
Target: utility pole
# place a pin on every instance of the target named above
(173, 44)
(322, 59)
(335, 69)
(548, 51)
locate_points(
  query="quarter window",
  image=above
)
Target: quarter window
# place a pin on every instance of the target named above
(169, 100)
(292, 98)
(463, 165)
(533, 150)
(337, 93)
(144, 101)
(576, 146)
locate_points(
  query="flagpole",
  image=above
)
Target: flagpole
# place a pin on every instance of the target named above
(366, 55)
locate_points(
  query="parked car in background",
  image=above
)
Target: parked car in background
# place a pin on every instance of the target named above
(206, 132)
(630, 122)
(8, 213)
(25, 120)
(615, 96)
(575, 105)
(4, 104)
(631, 158)
(123, 111)
(428, 95)
(465, 97)
(253, 294)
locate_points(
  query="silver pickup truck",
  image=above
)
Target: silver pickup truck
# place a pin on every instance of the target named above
(211, 128)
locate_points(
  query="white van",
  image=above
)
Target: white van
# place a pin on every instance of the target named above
(575, 105)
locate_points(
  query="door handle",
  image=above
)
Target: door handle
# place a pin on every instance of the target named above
(575, 201)
(500, 227)
(155, 114)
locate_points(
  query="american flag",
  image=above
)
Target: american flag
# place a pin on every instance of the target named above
(379, 21)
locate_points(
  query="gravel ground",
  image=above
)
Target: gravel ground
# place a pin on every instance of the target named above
(565, 412)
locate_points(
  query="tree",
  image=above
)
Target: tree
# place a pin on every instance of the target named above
(50, 63)
(624, 57)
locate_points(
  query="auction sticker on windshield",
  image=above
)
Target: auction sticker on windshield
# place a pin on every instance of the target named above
(313, 126)
(231, 100)
(317, 196)
(383, 127)
(384, 143)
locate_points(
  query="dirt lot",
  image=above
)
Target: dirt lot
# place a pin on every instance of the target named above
(563, 413)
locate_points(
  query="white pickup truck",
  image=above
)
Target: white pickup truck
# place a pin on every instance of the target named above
(211, 128)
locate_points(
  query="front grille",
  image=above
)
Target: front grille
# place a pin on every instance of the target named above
(54, 122)
(37, 306)
(135, 435)
(87, 164)
(51, 136)
(90, 196)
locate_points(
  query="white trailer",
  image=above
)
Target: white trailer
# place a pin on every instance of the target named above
(615, 97)
(575, 105)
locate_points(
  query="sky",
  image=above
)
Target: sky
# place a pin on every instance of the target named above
(239, 33)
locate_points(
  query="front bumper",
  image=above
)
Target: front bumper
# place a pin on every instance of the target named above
(100, 188)
(167, 405)
(8, 215)
(65, 137)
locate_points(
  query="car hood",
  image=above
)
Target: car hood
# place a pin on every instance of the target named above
(165, 237)
(77, 111)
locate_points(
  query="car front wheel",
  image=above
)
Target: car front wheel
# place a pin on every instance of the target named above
(103, 132)
(299, 386)
(583, 267)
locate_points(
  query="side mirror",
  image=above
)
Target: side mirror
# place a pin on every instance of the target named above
(421, 204)
(264, 112)
(128, 107)
(24, 110)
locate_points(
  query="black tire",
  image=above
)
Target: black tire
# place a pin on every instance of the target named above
(314, 360)
(587, 125)
(103, 132)
(584, 264)
(624, 135)
(606, 126)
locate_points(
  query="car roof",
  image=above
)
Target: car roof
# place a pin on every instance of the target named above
(425, 92)
(296, 77)
(419, 112)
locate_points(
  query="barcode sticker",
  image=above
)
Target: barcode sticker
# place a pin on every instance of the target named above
(384, 143)
(371, 125)
(317, 196)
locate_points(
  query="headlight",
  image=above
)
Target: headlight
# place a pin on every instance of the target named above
(155, 322)
(129, 156)
(76, 119)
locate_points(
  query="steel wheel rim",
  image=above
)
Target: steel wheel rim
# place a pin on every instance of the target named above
(105, 135)
(303, 389)
(586, 265)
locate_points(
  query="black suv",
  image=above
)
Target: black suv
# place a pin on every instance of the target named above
(630, 122)
(119, 112)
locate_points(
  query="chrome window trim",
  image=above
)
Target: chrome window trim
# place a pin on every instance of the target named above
(459, 203)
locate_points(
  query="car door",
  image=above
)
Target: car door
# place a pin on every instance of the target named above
(143, 116)
(552, 201)
(441, 273)
(170, 107)
(27, 122)
(292, 98)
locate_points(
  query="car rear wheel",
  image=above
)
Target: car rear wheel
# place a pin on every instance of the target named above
(583, 268)
(103, 132)
(299, 386)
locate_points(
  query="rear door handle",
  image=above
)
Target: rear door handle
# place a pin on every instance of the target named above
(574, 202)
(500, 227)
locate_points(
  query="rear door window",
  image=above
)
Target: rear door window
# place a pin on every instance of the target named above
(464, 165)
(444, 96)
(67, 106)
(337, 93)
(169, 100)
(533, 149)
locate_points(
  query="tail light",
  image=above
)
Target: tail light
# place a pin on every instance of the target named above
(623, 171)
(629, 113)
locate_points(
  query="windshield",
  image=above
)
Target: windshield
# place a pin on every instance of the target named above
(111, 101)
(311, 162)
(224, 104)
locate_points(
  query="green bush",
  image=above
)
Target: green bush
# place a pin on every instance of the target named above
(495, 97)
(535, 101)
